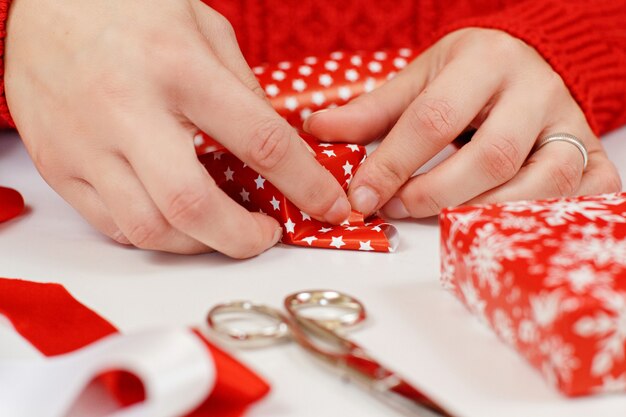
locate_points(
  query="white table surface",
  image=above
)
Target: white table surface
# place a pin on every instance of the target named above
(414, 326)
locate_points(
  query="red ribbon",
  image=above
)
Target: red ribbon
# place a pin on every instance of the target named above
(54, 322)
(11, 204)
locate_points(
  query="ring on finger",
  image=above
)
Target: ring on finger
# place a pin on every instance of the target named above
(565, 137)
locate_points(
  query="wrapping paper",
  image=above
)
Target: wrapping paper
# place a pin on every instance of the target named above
(55, 323)
(296, 89)
(549, 277)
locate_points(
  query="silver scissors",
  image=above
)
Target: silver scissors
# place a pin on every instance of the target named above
(316, 320)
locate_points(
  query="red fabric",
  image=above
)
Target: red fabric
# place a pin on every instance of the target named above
(584, 41)
(54, 322)
(11, 204)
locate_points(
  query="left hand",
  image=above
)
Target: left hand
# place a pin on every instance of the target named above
(472, 78)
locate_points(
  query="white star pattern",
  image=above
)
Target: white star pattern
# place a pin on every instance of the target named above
(290, 226)
(275, 203)
(198, 140)
(353, 148)
(284, 65)
(352, 75)
(331, 65)
(245, 196)
(337, 242)
(305, 70)
(329, 153)
(347, 168)
(278, 75)
(337, 55)
(217, 155)
(291, 103)
(310, 240)
(356, 60)
(351, 228)
(272, 90)
(380, 56)
(366, 246)
(298, 85)
(260, 182)
(345, 93)
(325, 80)
(305, 216)
(318, 98)
(370, 85)
(375, 67)
(325, 229)
(258, 70)
(310, 60)
(229, 174)
(399, 63)
(305, 113)
(377, 229)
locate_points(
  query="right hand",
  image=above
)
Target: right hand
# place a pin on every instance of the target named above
(107, 96)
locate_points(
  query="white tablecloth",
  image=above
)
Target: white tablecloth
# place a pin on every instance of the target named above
(414, 325)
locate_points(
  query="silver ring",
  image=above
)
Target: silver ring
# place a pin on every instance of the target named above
(565, 137)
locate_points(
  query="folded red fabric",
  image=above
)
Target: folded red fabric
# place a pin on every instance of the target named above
(54, 322)
(11, 204)
(550, 278)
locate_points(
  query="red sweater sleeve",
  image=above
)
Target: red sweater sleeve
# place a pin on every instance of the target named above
(5, 116)
(584, 41)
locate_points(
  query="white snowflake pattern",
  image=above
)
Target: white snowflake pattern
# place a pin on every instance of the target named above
(609, 327)
(545, 307)
(580, 279)
(503, 326)
(559, 360)
(490, 248)
(472, 299)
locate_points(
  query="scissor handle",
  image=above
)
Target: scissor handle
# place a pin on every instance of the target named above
(350, 310)
(277, 331)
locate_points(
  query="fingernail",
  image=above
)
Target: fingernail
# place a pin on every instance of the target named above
(278, 234)
(339, 211)
(396, 209)
(307, 121)
(364, 199)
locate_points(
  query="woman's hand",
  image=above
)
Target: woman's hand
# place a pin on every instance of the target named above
(472, 78)
(108, 95)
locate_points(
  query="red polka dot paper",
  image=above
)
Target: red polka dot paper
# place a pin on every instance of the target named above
(297, 89)
(550, 278)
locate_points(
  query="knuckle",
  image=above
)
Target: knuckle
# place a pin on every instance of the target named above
(564, 178)
(501, 45)
(436, 117)
(499, 159)
(186, 207)
(386, 174)
(269, 144)
(146, 233)
(553, 85)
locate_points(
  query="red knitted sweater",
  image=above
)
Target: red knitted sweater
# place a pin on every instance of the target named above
(583, 40)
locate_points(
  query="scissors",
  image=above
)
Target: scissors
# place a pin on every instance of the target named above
(316, 319)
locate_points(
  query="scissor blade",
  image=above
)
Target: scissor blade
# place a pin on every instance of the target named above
(384, 380)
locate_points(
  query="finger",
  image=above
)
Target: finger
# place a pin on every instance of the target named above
(601, 175)
(135, 213)
(256, 134)
(370, 116)
(437, 116)
(495, 154)
(82, 196)
(188, 197)
(555, 170)
(221, 38)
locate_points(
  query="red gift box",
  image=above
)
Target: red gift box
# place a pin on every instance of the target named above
(549, 277)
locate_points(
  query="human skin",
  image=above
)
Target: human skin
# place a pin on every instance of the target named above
(107, 96)
(485, 80)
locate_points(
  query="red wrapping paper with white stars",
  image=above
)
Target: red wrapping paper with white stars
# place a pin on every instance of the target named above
(549, 277)
(297, 89)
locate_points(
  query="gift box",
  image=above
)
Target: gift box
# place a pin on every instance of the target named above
(549, 277)
(297, 89)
